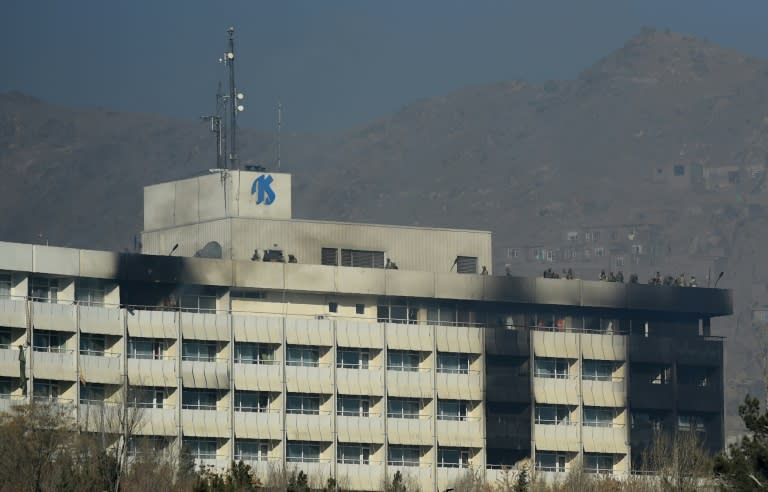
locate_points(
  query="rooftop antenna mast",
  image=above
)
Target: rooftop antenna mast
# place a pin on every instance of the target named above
(234, 101)
(279, 126)
(217, 128)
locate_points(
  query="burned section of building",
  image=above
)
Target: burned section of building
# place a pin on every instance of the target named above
(353, 350)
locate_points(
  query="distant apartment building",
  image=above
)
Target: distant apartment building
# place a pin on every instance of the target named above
(357, 350)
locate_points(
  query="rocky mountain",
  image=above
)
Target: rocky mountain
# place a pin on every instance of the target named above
(527, 161)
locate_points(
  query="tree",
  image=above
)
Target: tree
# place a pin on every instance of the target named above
(677, 462)
(745, 466)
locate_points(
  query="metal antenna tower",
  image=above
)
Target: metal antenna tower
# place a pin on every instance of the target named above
(217, 128)
(279, 126)
(234, 99)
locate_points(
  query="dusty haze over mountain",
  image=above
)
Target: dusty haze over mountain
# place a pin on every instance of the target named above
(526, 161)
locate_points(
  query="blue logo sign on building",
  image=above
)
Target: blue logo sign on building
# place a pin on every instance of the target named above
(262, 188)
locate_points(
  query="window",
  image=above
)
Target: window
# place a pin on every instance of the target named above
(688, 422)
(333, 307)
(466, 264)
(201, 448)
(46, 389)
(247, 294)
(254, 353)
(648, 420)
(354, 454)
(89, 292)
(513, 253)
(302, 452)
(598, 463)
(695, 375)
(303, 355)
(619, 262)
(352, 358)
(146, 348)
(553, 414)
(49, 341)
(353, 406)
(303, 403)
(141, 444)
(359, 308)
(251, 401)
(199, 399)
(43, 289)
(637, 249)
(403, 360)
(451, 362)
(403, 455)
(451, 314)
(550, 462)
(573, 236)
(598, 417)
(592, 236)
(452, 457)
(91, 344)
(597, 370)
(362, 259)
(199, 350)
(678, 170)
(329, 256)
(451, 410)
(7, 386)
(149, 397)
(92, 394)
(599, 251)
(5, 338)
(198, 303)
(5, 285)
(251, 450)
(551, 368)
(399, 312)
(661, 375)
(403, 408)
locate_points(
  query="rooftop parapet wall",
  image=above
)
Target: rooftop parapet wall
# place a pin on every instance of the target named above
(348, 280)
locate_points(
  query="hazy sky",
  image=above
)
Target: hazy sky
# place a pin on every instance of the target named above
(333, 64)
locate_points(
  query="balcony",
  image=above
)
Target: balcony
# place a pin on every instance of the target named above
(7, 402)
(322, 469)
(102, 320)
(604, 347)
(360, 429)
(205, 326)
(153, 324)
(422, 474)
(558, 391)
(460, 433)
(102, 416)
(152, 372)
(53, 365)
(464, 339)
(410, 431)
(258, 425)
(447, 477)
(158, 421)
(605, 439)
(560, 344)
(105, 368)
(309, 379)
(9, 362)
(359, 334)
(258, 377)
(460, 386)
(410, 337)
(414, 384)
(502, 384)
(644, 394)
(360, 477)
(360, 381)
(604, 393)
(258, 329)
(556, 437)
(13, 313)
(205, 374)
(56, 317)
(696, 398)
(309, 427)
(205, 423)
(309, 331)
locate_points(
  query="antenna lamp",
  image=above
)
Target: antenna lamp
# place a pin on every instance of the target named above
(230, 56)
(241, 107)
(240, 96)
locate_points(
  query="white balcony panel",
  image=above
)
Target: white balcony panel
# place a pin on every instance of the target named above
(50, 365)
(300, 427)
(58, 317)
(262, 329)
(467, 433)
(360, 429)
(447, 477)
(7, 403)
(96, 369)
(421, 475)
(9, 363)
(323, 471)
(555, 344)
(261, 425)
(604, 393)
(604, 347)
(106, 417)
(219, 464)
(309, 379)
(459, 339)
(360, 477)
(417, 384)
(359, 334)
(556, 391)
(158, 422)
(605, 439)
(101, 320)
(556, 437)
(205, 374)
(410, 337)
(460, 386)
(148, 372)
(258, 377)
(309, 331)
(205, 423)
(13, 313)
(205, 326)
(153, 324)
(360, 381)
(410, 431)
